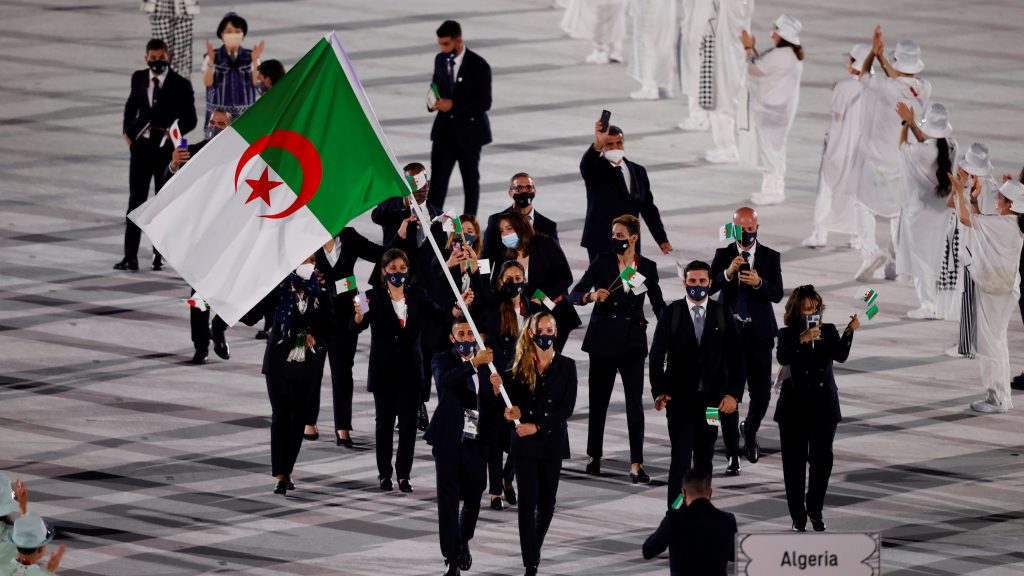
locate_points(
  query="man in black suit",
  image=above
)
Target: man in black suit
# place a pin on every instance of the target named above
(461, 127)
(199, 318)
(615, 186)
(456, 435)
(695, 364)
(749, 275)
(158, 97)
(522, 191)
(700, 538)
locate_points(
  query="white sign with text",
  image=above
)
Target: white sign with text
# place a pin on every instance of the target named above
(808, 554)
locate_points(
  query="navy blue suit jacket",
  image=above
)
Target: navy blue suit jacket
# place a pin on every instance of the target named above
(467, 122)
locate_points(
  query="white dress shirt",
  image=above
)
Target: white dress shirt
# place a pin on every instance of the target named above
(458, 64)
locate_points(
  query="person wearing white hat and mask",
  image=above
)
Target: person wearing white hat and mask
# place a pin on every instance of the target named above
(655, 30)
(30, 536)
(995, 242)
(878, 193)
(730, 79)
(924, 187)
(12, 497)
(774, 84)
(603, 22)
(837, 179)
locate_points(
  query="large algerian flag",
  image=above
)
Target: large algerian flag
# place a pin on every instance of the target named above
(267, 192)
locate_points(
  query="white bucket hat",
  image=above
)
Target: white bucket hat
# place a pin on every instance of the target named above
(935, 123)
(1014, 192)
(975, 161)
(788, 28)
(7, 502)
(859, 52)
(907, 57)
(30, 531)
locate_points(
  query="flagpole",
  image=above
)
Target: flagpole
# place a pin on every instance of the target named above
(425, 222)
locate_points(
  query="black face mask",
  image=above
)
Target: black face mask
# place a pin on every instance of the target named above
(212, 131)
(620, 246)
(748, 238)
(158, 66)
(523, 200)
(513, 289)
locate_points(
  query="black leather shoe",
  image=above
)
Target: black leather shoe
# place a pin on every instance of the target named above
(281, 488)
(346, 442)
(510, 493)
(290, 485)
(158, 262)
(128, 264)
(451, 569)
(199, 357)
(640, 477)
(750, 447)
(798, 528)
(733, 469)
(385, 484)
(314, 436)
(465, 558)
(594, 467)
(818, 524)
(531, 571)
(1018, 382)
(404, 485)
(261, 334)
(496, 503)
(423, 419)
(220, 346)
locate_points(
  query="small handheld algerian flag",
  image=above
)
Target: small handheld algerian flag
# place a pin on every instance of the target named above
(678, 502)
(197, 302)
(538, 295)
(870, 296)
(711, 415)
(346, 284)
(433, 88)
(730, 232)
(272, 188)
(449, 222)
(871, 312)
(417, 181)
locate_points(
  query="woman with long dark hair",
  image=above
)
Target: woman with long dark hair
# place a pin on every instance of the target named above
(808, 407)
(995, 242)
(924, 186)
(542, 387)
(774, 86)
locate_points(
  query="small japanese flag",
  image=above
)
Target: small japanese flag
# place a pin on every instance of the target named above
(538, 295)
(174, 133)
(197, 302)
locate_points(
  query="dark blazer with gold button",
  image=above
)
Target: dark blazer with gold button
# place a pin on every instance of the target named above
(810, 391)
(549, 406)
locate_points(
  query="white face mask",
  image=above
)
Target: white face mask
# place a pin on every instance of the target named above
(305, 271)
(614, 156)
(232, 40)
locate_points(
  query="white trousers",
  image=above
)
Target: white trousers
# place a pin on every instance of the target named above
(697, 114)
(723, 130)
(925, 288)
(994, 313)
(866, 231)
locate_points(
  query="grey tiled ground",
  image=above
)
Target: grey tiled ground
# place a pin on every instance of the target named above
(149, 465)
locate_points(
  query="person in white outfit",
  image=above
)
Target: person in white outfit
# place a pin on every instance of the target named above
(654, 27)
(879, 156)
(698, 20)
(603, 22)
(924, 187)
(995, 242)
(774, 85)
(730, 81)
(837, 178)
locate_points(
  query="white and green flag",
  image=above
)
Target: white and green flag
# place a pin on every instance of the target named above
(289, 174)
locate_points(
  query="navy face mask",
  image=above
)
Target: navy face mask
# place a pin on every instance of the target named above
(748, 238)
(697, 293)
(470, 240)
(544, 341)
(396, 279)
(465, 348)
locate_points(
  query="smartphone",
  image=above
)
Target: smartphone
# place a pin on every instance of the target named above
(606, 117)
(456, 245)
(745, 267)
(813, 321)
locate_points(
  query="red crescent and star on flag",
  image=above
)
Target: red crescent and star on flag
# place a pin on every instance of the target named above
(298, 146)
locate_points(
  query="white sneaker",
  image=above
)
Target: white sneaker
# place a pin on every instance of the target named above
(872, 262)
(645, 94)
(722, 156)
(855, 242)
(765, 199)
(817, 239)
(695, 125)
(616, 56)
(922, 313)
(988, 406)
(953, 352)
(597, 57)
(890, 270)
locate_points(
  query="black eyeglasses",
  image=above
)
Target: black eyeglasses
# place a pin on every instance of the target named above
(527, 188)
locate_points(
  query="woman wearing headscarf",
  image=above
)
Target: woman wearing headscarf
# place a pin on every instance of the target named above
(774, 84)
(924, 186)
(994, 241)
(231, 72)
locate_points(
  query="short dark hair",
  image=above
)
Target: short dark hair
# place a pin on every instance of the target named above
(235, 20)
(449, 29)
(632, 223)
(697, 481)
(696, 265)
(390, 256)
(614, 130)
(156, 44)
(412, 166)
(272, 69)
(222, 110)
(27, 551)
(517, 176)
(796, 301)
(456, 320)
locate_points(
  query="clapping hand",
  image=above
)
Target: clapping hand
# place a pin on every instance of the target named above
(21, 496)
(257, 50)
(747, 39)
(877, 46)
(210, 53)
(906, 113)
(55, 558)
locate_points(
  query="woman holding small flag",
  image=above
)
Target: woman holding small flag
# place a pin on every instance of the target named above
(808, 407)
(303, 322)
(616, 337)
(397, 314)
(542, 387)
(548, 276)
